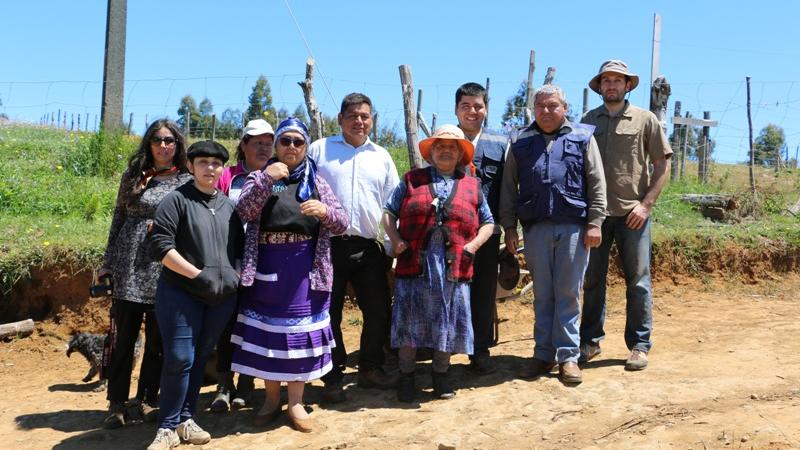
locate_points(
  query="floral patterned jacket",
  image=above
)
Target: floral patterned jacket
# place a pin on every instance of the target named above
(255, 193)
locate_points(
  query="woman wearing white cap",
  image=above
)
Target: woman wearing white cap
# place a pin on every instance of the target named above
(253, 152)
(443, 221)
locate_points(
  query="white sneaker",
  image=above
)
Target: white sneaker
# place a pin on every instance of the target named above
(165, 440)
(191, 432)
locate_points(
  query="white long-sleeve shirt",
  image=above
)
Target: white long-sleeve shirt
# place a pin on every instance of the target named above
(362, 178)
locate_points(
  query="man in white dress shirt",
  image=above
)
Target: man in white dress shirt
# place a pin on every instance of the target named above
(362, 176)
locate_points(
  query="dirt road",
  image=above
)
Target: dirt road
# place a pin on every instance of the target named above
(724, 373)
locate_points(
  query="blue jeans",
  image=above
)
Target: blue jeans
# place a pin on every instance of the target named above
(557, 256)
(189, 331)
(634, 251)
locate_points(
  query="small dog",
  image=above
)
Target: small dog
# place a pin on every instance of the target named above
(91, 347)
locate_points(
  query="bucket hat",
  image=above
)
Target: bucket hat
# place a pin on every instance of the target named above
(615, 66)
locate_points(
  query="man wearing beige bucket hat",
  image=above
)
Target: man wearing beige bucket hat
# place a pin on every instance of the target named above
(630, 140)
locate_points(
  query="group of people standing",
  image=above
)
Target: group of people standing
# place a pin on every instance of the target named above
(255, 259)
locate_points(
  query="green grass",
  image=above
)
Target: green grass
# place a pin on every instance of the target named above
(58, 188)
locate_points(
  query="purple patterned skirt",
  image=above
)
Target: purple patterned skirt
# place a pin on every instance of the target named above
(283, 331)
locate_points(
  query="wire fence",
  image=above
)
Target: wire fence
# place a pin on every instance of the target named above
(75, 104)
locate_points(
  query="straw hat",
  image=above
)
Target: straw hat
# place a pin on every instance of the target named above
(448, 132)
(615, 66)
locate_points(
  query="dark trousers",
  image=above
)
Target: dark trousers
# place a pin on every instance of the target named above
(189, 329)
(225, 354)
(483, 291)
(362, 262)
(128, 317)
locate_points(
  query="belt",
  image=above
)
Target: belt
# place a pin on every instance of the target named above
(351, 237)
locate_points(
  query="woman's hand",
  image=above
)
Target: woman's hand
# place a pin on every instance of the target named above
(314, 208)
(399, 246)
(472, 247)
(277, 171)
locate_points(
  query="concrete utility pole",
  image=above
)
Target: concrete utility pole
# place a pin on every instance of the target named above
(114, 65)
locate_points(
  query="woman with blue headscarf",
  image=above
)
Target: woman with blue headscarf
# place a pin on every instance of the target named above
(282, 332)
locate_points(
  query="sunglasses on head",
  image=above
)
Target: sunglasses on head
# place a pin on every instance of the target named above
(169, 140)
(287, 141)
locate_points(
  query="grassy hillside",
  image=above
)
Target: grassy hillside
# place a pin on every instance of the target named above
(58, 188)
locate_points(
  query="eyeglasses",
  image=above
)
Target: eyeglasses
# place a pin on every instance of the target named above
(169, 140)
(287, 141)
(548, 106)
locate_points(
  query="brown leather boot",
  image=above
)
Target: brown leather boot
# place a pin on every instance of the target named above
(570, 373)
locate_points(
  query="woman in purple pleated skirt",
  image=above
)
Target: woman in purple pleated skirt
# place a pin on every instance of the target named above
(282, 332)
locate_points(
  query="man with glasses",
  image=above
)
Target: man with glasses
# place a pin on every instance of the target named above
(630, 140)
(490, 154)
(554, 185)
(362, 176)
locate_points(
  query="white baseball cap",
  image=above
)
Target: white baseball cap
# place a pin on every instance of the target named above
(257, 127)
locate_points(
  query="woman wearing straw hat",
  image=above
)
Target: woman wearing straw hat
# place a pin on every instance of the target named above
(443, 220)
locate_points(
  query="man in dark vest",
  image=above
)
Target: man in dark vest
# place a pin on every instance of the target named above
(554, 185)
(490, 151)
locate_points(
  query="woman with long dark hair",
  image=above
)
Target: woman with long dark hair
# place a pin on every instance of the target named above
(156, 168)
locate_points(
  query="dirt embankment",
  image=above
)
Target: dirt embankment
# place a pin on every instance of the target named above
(59, 293)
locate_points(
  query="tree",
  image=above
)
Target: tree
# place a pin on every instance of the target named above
(206, 110)
(188, 106)
(261, 102)
(692, 138)
(229, 125)
(768, 146)
(514, 116)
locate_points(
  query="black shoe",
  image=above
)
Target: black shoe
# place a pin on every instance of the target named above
(406, 388)
(377, 378)
(441, 388)
(244, 391)
(482, 365)
(222, 401)
(117, 415)
(333, 392)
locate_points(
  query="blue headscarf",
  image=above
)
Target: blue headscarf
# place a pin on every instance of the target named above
(306, 171)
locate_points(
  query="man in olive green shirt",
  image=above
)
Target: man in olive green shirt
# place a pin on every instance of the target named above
(630, 140)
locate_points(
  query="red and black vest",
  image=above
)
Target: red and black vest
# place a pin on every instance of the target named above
(457, 218)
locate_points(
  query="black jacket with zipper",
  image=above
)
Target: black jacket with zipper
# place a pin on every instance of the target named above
(208, 233)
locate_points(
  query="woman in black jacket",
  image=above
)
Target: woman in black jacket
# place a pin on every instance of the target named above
(198, 238)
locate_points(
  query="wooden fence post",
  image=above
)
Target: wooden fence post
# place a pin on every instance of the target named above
(375, 127)
(213, 127)
(529, 89)
(585, 100)
(485, 118)
(130, 123)
(685, 147)
(752, 150)
(434, 117)
(704, 158)
(409, 110)
(420, 117)
(676, 143)
(550, 75)
(311, 103)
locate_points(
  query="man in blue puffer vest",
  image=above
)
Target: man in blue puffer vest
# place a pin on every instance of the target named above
(489, 157)
(554, 185)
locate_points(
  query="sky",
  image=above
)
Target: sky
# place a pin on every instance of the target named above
(217, 50)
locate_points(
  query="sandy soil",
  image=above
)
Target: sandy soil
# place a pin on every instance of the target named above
(724, 373)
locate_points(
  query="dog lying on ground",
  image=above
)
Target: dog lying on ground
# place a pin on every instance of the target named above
(90, 345)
